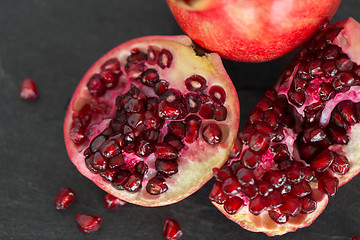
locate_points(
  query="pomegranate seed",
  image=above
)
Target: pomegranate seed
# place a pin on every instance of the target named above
(231, 186)
(165, 151)
(275, 178)
(278, 216)
(212, 133)
(177, 128)
(337, 119)
(207, 111)
(193, 124)
(264, 188)
(192, 102)
(134, 106)
(172, 230)
(217, 94)
(152, 135)
(344, 63)
(314, 67)
(143, 148)
(172, 95)
(236, 165)
(116, 161)
(340, 164)
(152, 120)
(337, 134)
(217, 194)
(136, 56)
(150, 77)
(98, 162)
(108, 174)
(174, 142)
(285, 165)
(109, 78)
(329, 68)
(331, 53)
(113, 203)
(307, 205)
(161, 87)
(264, 104)
(96, 86)
(250, 191)
(156, 186)
(245, 176)
(275, 199)
(246, 134)
(299, 84)
(256, 115)
(195, 83)
(322, 161)
(348, 112)
(121, 179)
(258, 205)
(109, 149)
(309, 151)
(259, 142)
(152, 56)
(294, 174)
(281, 153)
(233, 204)
(326, 92)
(296, 98)
(236, 149)
(251, 159)
(301, 189)
(141, 167)
(28, 90)
(169, 110)
(271, 117)
(315, 134)
(166, 167)
(328, 185)
(220, 113)
(97, 142)
(112, 64)
(65, 198)
(134, 182)
(309, 174)
(286, 188)
(291, 206)
(223, 173)
(88, 223)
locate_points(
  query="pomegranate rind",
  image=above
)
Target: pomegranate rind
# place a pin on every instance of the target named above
(236, 29)
(195, 167)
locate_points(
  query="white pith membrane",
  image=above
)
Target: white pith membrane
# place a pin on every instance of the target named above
(196, 160)
(345, 39)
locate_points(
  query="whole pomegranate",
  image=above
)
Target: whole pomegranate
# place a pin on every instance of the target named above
(151, 118)
(301, 141)
(252, 31)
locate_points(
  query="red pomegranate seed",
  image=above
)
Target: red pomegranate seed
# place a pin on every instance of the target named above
(348, 112)
(172, 230)
(108, 174)
(278, 216)
(233, 204)
(161, 87)
(236, 149)
(307, 205)
(177, 128)
(340, 164)
(329, 68)
(217, 94)
(275, 178)
(315, 134)
(309, 151)
(136, 56)
(169, 110)
(116, 161)
(328, 185)
(96, 86)
(28, 90)
(271, 117)
(121, 179)
(309, 174)
(291, 206)
(264, 104)
(258, 205)
(143, 148)
(337, 134)
(109, 78)
(113, 203)
(134, 106)
(259, 142)
(156, 186)
(256, 115)
(193, 123)
(212, 134)
(300, 190)
(165, 58)
(296, 98)
(217, 194)
(250, 191)
(246, 134)
(332, 52)
(326, 92)
(141, 167)
(65, 198)
(150, 77)
(134, 182)
(192, 102)
(152, 120)
(294, 174)
(223, 173)
(97, 142)
(98, 162)
(231, 186)
(314, 67)
(88, 223)
(220, 113)
(337, 119)
(109, 149)
(322, 161)
(152, 56)
(236, 165)
(112, 64)
(172, 95)
(166, 167)
(275, 199)
(152, 135)
(344, 63)
(207, 111)
(285, 165)
(195, 83)
(355, 238)
(245, 176)
(281, 153)
(174, 142)
(165, 151)
(251, 159)
(264, 188)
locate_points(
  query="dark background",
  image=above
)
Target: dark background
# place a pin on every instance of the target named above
(54, 42)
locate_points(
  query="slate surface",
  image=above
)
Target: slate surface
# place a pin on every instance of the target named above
(54, 42)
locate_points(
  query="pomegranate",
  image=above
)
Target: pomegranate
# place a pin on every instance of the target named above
(88, 223)
(65, 198)
(172, 230)
(151, 118)
(113, 203)
(355, 238)
(251, 31)
(301, 142)
(28, 90)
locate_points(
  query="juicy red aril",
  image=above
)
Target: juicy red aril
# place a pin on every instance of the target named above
(251, 159)
(296, 98)
(315, 134)
(300, 190)
(326, 91)
(113, 203)
(246, 134)
(112, 65)
(152, 56)
(195, 83)
(207, 111)
(291, 206)
(258, 205)
(256, 115)
(233, 204)
(193, 123)
(166, 167)
(264, 104)
(348, 112)
(217, 94)
(28, 90)
(322, 161)
(328, 185)
(136, 56)
(294, 174)
(65, 198)
(217, 194)
(88, 223)
(275, 178)
(309, 174)
(177, 128)
(236, 149)
(308, 205)
(245, 176)
(340, 164)
(97, 142)
(121, 179)
(259, 142)
(143, 148)
(192, 102)
(150, 77)
(264, 188)
(275, 199)
(110, 148)
(96, 86)
(344, 63)
(281, 152)
(152, 120)
(231, 186)
(116, 161)
(220, 113)
(134, 106)
(109, 78)
(98, 162)
(165, 58)
(108, 174)
(212, 133)
(170, 110)
(174, 142)
(337, 134)
(161, 87)
(223, 173)
(172, 230)
(278, 216)
(152, 135)
(141, 167)
(286, 188)
(250, 191)
(156, 186)
(165, 151)
(134, 182)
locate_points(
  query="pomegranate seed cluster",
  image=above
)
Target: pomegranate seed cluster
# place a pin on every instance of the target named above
(286, 150)
(152, 120)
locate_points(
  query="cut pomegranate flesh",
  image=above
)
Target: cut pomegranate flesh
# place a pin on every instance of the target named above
(301, 142)
(28, 90)
(138, 124)
(172, 230)
(88, 223)
(65, 198)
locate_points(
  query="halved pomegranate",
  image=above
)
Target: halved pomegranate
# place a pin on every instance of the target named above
(301, 141)
(151, 118)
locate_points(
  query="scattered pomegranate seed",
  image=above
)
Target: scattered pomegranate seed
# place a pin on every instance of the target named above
(28, 90)
(172, 230)
(65, 198)
(88, 223)
(113, 203)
